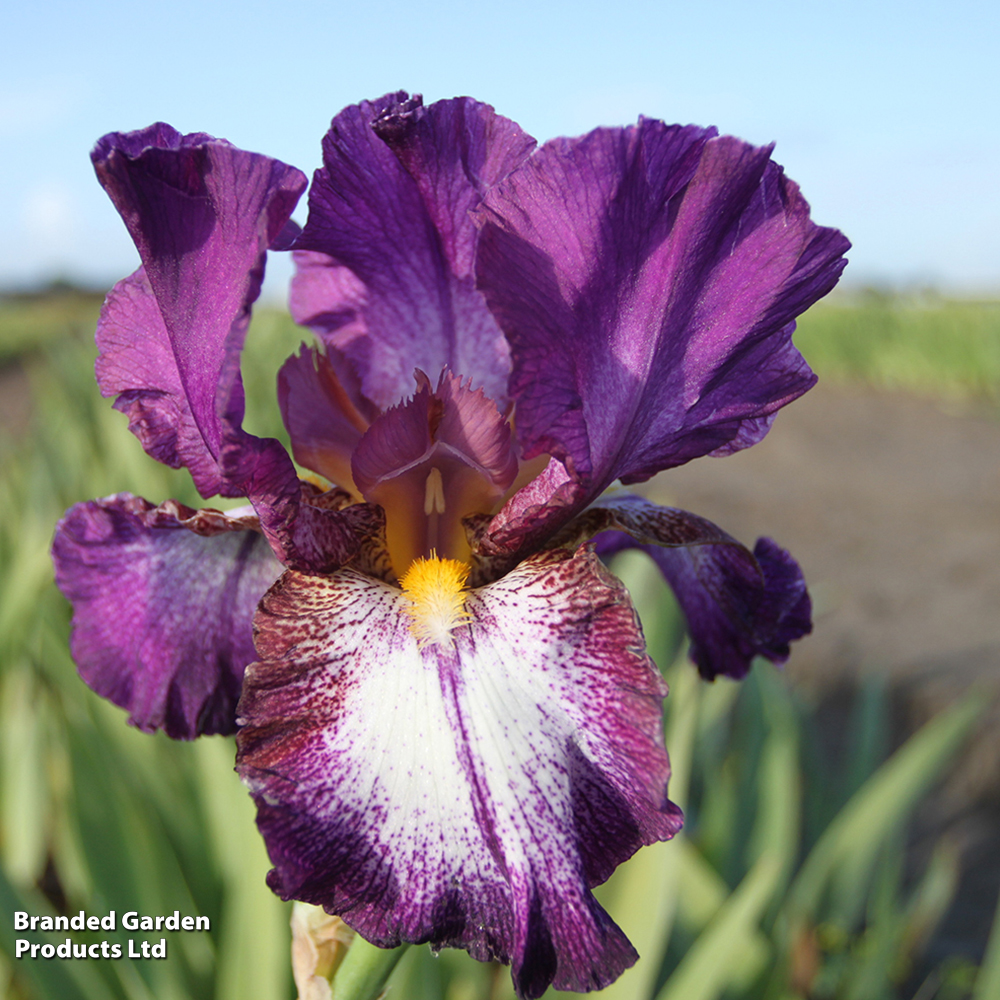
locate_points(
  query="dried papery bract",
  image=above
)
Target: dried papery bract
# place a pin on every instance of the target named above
(319, 943)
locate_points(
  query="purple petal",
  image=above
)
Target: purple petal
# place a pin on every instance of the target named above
(455, 151)
(430, 462)
(136, 364)
(528, 520)
(325, 420)
(469, 793)
(647, 279)
(321, 531)
(202, 214)
(163, 600)
(738, 605)
(389, 212)
(734, 613)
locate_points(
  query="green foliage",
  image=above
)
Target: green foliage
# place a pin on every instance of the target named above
(28, 323)
(929, 345)
(95, 814)
(786, 875)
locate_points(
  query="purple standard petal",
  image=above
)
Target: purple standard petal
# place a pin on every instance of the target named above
(388, 283)
(738, 605)
(136, 364)
(467, 791)
(647, 279)
(163, 601)
(202, 214)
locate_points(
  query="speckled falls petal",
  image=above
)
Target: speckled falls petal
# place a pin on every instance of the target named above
(163, 601)
(388, 281)
(468, 792)
(202, 214)
(737, 604)
(647, 279)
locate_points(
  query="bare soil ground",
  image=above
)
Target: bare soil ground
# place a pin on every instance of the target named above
(892, 507)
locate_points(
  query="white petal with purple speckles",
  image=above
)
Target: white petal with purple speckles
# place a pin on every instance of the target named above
(466, 793)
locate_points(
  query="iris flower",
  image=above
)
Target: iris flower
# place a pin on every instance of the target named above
(446, 713)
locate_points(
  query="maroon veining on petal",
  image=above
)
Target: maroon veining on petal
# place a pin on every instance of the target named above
(647, 279)
(163, 599)
(471, 794)
(388, 282)
(528, 519)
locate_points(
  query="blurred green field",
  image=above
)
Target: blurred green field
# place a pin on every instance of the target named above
(937, 347)
(788, 881)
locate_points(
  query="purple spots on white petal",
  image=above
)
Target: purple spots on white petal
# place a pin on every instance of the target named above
(467, 796)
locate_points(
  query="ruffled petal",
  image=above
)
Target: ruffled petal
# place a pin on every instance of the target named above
(455, 151)
(202, 214)
(647, 280)
(393, 289)
(163, 601)
(324, 422)
(466, 793)
(136, 365)
(526, 521)
(430, 462)
(737, 604)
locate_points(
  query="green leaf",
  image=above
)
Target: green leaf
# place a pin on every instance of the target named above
(707, 968)
(255, 939)
(365, 970)
(842, 859)
(50, 978)
(988, 978)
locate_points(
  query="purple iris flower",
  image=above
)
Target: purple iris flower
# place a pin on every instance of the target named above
(446, 713)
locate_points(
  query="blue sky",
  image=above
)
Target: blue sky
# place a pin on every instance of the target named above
(887, 114)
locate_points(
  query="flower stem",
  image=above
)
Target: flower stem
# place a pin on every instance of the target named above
(364, 970)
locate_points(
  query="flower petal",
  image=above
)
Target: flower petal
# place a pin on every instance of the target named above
(526, 522)
(431, 461)
(136, 364)
(738, 605)
(202, 214)
(455, 151)
(394, 290)
(325, 421)
(163, 600)
(468, 794)
(647, 279)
